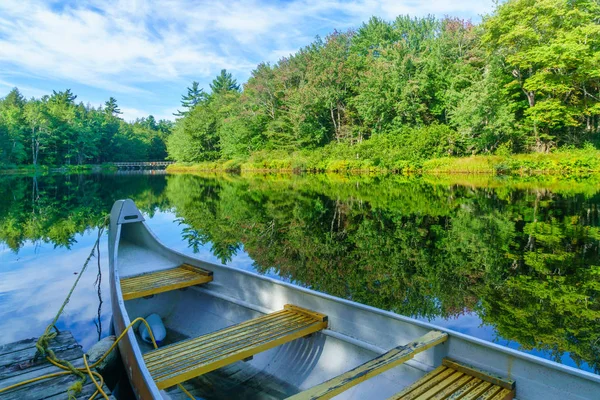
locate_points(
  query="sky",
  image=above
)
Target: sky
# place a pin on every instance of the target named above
(145, 53)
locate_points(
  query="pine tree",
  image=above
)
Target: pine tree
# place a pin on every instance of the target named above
(224, 82)
(111, 107)
(195, 96)
(67, 97)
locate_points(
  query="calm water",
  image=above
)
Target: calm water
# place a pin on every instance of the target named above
(513, 262)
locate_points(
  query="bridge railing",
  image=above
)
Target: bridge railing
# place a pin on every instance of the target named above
(141, 164)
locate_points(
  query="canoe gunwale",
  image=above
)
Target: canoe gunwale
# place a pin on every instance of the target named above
(131, 354)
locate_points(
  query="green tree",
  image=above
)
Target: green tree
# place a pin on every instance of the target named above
(13, 142)
(111, 107)
(224, 82)
(194, 137)
(551, 48)
(37, 119)
(195, 95)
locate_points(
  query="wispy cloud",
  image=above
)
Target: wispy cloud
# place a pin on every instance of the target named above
(134, 47)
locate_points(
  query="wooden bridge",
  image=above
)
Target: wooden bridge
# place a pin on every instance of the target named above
(142, 164)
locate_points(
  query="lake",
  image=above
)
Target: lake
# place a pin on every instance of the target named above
(512, 261)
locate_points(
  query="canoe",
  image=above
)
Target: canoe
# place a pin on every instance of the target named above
(237, 334)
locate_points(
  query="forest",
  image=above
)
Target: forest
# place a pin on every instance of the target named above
(389, 95)
(524, 80)
(55, 130)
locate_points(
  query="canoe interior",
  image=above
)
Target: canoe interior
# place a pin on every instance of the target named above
(356, 334)
(273, 374)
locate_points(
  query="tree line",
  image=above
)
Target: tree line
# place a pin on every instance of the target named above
(525, 79)
(56, 130)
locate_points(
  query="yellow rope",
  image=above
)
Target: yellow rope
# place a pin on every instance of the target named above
(42, 345)
(88, 368)
(98, 386)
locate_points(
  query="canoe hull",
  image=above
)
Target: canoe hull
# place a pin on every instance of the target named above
(139, 378)
(351, 326)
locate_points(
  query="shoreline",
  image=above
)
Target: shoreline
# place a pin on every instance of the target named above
(569, 163)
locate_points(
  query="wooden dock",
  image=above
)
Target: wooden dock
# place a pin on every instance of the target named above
(17, 365)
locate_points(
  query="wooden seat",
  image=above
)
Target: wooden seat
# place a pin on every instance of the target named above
(376, 366)
(187, 359)
(156, 282)
(457, 381)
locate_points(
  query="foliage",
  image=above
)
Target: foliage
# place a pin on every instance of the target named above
(55, 130)
(525, 79)
(195, 95)
(224, 82)
(552, 50)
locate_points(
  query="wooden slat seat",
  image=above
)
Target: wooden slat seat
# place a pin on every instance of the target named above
(371, 368)
(156, 282)
(453, 380)
(187, 359)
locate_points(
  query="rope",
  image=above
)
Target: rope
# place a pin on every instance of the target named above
(88, 368)
(43, 344)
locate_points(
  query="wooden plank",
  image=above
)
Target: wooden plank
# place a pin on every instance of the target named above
(202, 350)
(196, 269)
(378, 365)
(490, 393)
(478, 373)
(26, 364)
(421, 381)
(202, 357)
(440, 386)
(422, 387)
(238, 355)
(157, 282)
(212, 342)
(477, 391)
(466, 389)
(85, 394)
(10, 361)
(315, 315)
(194, 356)
(63, 338)
(18, 367)
(190, 358)
(32, 373)
(213, 336)
(504, 394)
(42, 389)
(452, 388)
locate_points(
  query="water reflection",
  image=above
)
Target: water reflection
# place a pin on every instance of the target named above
(514, 262)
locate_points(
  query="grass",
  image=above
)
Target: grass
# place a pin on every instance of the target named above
(572, 162)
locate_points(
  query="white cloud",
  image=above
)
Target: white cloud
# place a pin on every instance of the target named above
(125, 46)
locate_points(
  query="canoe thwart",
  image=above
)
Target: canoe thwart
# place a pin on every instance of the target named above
(190, 358)
(453, 380)
(371, 368)
(165, 280)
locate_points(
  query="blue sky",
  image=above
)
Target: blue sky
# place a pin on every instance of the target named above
(145, 53)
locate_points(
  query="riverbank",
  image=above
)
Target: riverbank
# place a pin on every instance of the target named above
(48, 169)
(562, 162)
